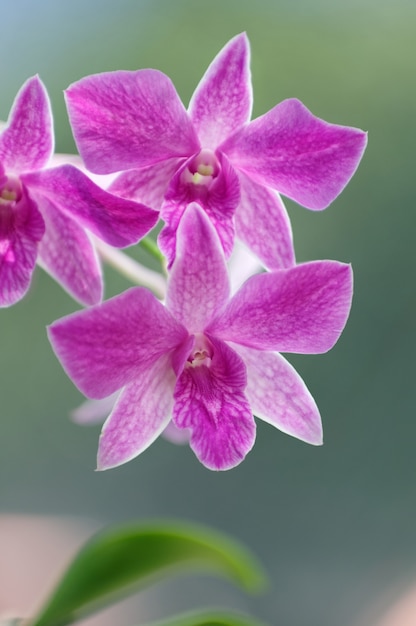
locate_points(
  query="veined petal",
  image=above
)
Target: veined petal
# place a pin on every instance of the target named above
(210, 401)
(278, 395)
(109, 345)
(223, 100)
(21, 229)
(262, 223)
(67, 253)
(301, 309)
(124, 120)
(147, 184)
(27, 141)
(298, 154)
(117, 221)
(178, 436)
(140, 415)
(94, 411)
(198, 287)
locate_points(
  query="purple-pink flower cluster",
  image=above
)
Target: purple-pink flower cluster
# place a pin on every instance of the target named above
(204, 361)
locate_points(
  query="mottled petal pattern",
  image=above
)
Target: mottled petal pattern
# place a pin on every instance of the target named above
(66, 252)
(21, 229)
(27, 141)
(302, 309)
(124, 120)
(210, 401)
(263, 225)
(222, 101)
(298, 154)
(278, 395)
(141, 413)
(117, 221)
(108, 346)
(198, 285)
(147, 184)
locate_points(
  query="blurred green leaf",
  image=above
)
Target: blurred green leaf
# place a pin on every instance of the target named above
(209, 618)
(117, 562)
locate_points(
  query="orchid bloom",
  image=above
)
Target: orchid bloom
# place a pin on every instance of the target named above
(134, 122)
(206, 360)
(44, 212)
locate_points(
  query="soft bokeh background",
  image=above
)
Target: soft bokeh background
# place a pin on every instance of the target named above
(335, 526)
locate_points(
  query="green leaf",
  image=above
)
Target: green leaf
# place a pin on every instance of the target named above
(117, 562)
(209, 618)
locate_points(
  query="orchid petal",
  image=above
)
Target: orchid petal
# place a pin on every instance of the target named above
(298, 154)
(117, 221)
(210, 401)
(139, 416)
(198, 285)
(262, 223)
(21, 229)
(67, 253)
(107, 346)
(124, 120)
(178, 436)
(147, 185)
(27, 141)
(278, 395)
(302, 309)
(222, 101)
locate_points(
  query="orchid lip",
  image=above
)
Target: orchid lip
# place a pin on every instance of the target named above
(202, 352)
(10, 191)
(202, 169)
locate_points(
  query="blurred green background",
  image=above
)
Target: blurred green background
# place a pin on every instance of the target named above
(335, 526)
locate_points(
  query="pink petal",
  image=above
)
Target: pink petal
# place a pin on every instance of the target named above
(27, 141)
(124, 120)
(210, 401)
(176, 435)
(139, 416)
(262, 223)
(302, 309)
(117, 221)
(223, 99)
(298, 154)
(21, 229)
(278, 395)
(147, 185)
(111, 344)
(67, 253)
(198, 285)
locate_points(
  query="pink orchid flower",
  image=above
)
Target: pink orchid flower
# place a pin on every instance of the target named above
(135, 123)
(206, 360)
(45, 213)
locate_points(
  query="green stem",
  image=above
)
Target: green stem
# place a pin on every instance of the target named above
(148, 244)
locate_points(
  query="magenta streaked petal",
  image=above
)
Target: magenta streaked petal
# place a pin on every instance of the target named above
(124, 120)
(298, 154)
(262, 223)
(301, 309)
(198, 285)
(67, 253)
(107, 346)
(117, 221)
(147, 185)
(27, 141)
(210, 401)
(140, 415)
(222, 101)
(278, 395)
(21, 229)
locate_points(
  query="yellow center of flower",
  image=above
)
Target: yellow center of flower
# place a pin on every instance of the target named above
(7, 195)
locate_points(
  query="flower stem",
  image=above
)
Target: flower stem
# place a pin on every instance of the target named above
(148, 244)
(131, 269)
